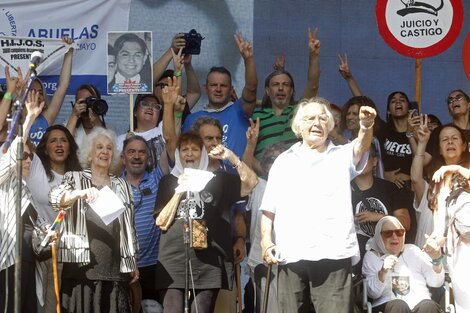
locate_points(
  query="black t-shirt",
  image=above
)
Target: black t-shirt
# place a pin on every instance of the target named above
(395, 149)
(383, 197)
(211, 267)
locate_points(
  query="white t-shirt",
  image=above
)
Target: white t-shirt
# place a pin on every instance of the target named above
(39, 185)
(423, 218)
(310, 195)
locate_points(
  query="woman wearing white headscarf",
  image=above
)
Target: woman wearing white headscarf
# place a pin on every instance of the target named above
(398, 274)
(211, 266)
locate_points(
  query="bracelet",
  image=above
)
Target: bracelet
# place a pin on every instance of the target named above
(437, 261)
(238, 164)
(364, 127)
(178, 114)
(409, 134)
(265, 250)
(238, 237)
(7, 95)
(177, 73)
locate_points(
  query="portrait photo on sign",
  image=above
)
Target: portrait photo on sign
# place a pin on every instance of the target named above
(129, 62)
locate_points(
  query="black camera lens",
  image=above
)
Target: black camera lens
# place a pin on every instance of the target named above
(98, 106)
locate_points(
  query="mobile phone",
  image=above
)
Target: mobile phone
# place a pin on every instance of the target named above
(413, 105)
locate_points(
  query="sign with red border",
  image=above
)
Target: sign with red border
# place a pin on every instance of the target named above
(419, 29)
(466, 55)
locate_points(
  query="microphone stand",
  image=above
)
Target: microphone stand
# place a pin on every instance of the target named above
(16, 121)
(187, 235)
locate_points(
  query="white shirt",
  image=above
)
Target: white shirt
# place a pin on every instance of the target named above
(310, 195)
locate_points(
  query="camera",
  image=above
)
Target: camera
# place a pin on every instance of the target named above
(98, 106)
(193, 42)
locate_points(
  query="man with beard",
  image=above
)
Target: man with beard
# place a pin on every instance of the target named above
(135, 158)
(278, 105)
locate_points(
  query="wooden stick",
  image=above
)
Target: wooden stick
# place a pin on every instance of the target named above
(131, 112)
(266, 289)
(418, 67)
(239, 288)
(56, 276)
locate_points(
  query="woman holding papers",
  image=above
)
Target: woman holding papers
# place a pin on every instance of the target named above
(99, 254)
(211, 253)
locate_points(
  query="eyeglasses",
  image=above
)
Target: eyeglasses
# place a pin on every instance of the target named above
(161, 85)
(146, 105)
(28, 155)
(389, 233)
(453, 99)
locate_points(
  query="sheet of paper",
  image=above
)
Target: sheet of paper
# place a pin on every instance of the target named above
(108, 206)
(195, 180)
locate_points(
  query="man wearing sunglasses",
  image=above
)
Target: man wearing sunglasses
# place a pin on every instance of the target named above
(147, 123)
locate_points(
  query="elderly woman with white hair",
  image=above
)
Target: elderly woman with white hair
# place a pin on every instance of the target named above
(398, 274)
(99, 259)
(312, 213)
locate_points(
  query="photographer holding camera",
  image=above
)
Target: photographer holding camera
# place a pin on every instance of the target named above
(87, 112)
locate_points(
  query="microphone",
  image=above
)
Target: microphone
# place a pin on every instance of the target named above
(36, 58)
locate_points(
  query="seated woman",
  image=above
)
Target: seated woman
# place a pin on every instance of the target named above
(99, 259)
(398, 274)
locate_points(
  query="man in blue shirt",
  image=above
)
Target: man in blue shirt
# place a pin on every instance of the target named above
(234, 116)
(135, 159)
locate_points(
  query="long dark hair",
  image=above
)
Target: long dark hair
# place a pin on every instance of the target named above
(359, 101)
(71, 163)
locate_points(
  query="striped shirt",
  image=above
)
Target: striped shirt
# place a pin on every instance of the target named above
(8, 192)
(148, 233)
(73, 243)
(274, 129)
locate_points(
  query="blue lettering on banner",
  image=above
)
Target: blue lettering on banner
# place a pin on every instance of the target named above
(11, 22)
(86, 46)
(76, 34)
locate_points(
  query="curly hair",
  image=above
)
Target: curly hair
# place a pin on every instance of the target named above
(90, 140)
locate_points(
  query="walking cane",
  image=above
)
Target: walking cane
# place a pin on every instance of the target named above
(56, 276)
(239, 288)
(266, 288)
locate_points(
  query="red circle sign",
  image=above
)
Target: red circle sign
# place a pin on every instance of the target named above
(466, 55)
(419, 29)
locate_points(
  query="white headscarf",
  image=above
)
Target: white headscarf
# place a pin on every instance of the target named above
(377, 243)
(178, 169)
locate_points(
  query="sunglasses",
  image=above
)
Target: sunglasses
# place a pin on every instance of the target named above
(389, 233)
(155, 106)
(28, 155)
(453, 99)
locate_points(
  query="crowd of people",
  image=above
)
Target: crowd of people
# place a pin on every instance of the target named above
(323, 192)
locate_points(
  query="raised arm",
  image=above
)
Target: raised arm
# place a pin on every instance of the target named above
(193, 89)
(416, 172)
(313, 75)
(251, 140)
(251, 80)
(13, 89)
(364, 138)
(170, 96)
(161, 64)
(345, 71)
(53, 108)
(247, 176)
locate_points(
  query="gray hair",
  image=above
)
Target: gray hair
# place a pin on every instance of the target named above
(300, 114)
(206, 120)
(89, 142)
